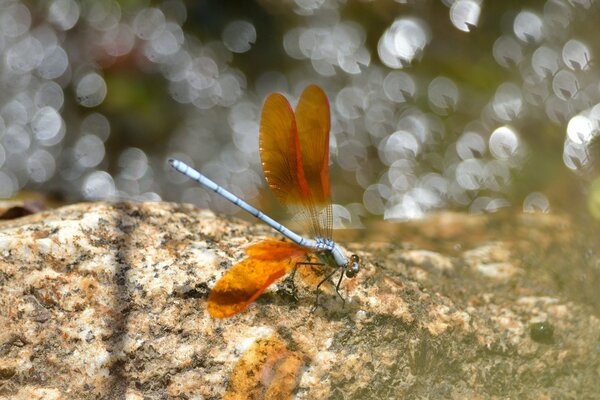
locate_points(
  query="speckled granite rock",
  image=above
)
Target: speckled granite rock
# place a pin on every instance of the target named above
(109, 301)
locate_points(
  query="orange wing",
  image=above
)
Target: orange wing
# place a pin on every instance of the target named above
(294, 151)
(313, 122)
(280, 151)
(267, 261)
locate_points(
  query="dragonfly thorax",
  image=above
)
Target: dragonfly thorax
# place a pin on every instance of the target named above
(324, 244)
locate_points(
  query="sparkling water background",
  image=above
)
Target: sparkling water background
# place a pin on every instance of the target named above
(473, 105)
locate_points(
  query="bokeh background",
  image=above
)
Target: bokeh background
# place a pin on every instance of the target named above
(472, 105)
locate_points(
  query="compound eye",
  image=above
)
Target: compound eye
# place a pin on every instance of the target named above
(353, 267)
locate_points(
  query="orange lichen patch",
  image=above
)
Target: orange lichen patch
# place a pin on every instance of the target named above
(267, 261)
(175, 247)
(268, 370)
(41, 234)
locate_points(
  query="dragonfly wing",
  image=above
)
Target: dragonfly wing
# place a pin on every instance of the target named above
(267, 261)
(280, 151)
(313, 124)
(294, 150)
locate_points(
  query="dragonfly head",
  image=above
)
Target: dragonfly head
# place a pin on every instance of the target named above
(353, 266)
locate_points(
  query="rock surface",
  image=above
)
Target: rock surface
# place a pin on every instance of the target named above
(109, 301)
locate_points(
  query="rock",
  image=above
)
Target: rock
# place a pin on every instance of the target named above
(109, 301)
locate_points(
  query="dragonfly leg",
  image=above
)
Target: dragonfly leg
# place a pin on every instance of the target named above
(301, 264)
(289, 281)
(337, 289)
(319, 289)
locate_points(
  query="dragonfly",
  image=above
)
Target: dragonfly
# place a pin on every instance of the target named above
(294, 152)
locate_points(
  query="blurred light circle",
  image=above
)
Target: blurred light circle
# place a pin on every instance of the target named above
(404, 41)
(89, 151)
(46, 124)
(175, 68)
(16, 139)
(245, 136)
(40, 166)
(291, 43)
(426, 198)
(103, 15)
(149, 23)
(350, 102)
(576, 55)
(528, 27)
(557, 109)
(575, 156)
(231, 90)
(63, 14)
(47, 35)
(487, 204)
(507, 51)
(373, 198)
(269, 82)
(557, 15)
(49, 94)
(97, 125)
(534, 92)
(90, 90)
(565, 85)
(238, 36)
(545, 62)
(503, 143)
(435, 183)
(8, 185)
(536, 202)
(15, 19)
(98, 185)
(198, 196)
(581, 130)
(386, 56)
(595, 115)
(54, 63)
(25, 55)
(168, 41)
(508, 102)
(323, 67)
(15, 113)
(401, 175)
(307, 7)
(350, 63)
(497, 175)
(354, 153)
(464, 14)
(208, 97)
(415, 124)
(341, 217)
(118, 41)
(134, 163)
(203, 73)
(470, 174)
(175, 10)
(183, 92)
(2, 155)
(400, 144)
(443, 94)
(470, 145)
(399, 87)
(247, 182)
(406, 207)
